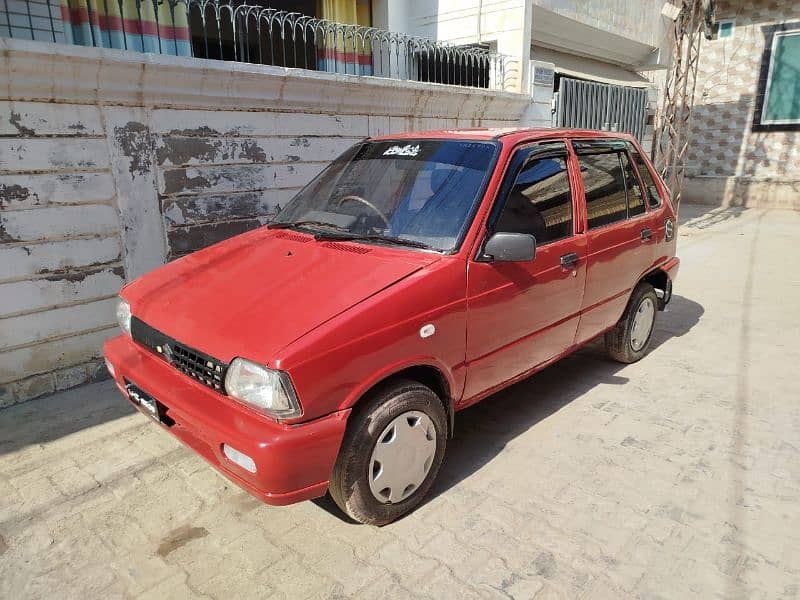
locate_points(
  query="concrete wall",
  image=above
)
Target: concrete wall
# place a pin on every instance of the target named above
(728, 162)
(640, 21)
(113, 162)
(631, 36)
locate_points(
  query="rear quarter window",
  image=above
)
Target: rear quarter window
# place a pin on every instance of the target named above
(651, 189)
(604, 186)
(635, 195)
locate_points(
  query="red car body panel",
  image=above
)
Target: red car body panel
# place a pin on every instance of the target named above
(255, 295)
(340, 317)
(293, 462)
(359, 349)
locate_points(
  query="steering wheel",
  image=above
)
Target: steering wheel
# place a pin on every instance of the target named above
(367, 203)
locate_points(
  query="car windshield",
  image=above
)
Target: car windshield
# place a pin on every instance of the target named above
(419, 193)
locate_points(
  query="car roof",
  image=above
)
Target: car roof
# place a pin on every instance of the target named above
(509, 135)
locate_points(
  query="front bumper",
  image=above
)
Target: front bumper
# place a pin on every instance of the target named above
(293, 462)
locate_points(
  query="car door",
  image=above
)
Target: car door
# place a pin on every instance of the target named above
(619, 233)
(522, 314)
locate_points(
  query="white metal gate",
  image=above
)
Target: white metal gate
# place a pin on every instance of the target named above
(602, 106)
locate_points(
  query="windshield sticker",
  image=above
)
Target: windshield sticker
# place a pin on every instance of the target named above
(407, 150)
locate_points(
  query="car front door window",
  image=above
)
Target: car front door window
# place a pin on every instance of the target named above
(540, 201)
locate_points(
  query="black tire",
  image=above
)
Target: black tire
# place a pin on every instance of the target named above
(349, 486)
(618, 339)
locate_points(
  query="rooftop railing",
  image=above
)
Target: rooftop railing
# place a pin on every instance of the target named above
(236, 31)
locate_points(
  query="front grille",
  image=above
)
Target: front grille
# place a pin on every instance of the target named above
(197, 365)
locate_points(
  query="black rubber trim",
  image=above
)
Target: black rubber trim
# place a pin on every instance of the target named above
(204, 368)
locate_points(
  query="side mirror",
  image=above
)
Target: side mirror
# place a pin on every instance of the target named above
(510, 247)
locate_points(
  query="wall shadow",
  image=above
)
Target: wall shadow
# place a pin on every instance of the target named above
(47, 419)
(696, 216)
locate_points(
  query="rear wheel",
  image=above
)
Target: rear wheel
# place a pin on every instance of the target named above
(390, 454)
(630, 338)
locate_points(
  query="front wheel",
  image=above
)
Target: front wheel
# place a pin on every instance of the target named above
(390, 454)
(628, 341)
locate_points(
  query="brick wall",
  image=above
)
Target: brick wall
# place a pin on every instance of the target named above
(113, 162)
(728, 162)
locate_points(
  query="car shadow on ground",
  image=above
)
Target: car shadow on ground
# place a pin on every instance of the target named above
(483, 430)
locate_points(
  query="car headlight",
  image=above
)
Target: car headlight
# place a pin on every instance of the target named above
(266, 390)
(124, 315)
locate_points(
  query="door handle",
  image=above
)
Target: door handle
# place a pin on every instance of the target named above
(646, 234)
(568, 261)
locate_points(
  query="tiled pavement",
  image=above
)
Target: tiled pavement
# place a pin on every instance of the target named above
(676, 477)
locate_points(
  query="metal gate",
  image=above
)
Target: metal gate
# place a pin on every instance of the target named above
(590, 105)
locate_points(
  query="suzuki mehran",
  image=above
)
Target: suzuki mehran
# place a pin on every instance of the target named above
(328, 351)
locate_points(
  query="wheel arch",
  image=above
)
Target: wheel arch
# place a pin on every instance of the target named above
(427, 374)
(661, 281)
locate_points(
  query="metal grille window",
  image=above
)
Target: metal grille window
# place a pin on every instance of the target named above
(601, 106)
(31, 20)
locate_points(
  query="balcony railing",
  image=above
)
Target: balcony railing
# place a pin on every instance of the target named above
(235, 31)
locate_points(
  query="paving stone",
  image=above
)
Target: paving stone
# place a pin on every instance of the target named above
(387, 587)
(73, 481)
(174, 588)
(442, 584)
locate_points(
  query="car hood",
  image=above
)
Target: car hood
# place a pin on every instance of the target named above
(254, 294)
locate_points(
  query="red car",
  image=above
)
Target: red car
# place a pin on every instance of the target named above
(417, 274)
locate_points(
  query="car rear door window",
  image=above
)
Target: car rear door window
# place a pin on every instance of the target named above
(540, 200)
(653, 197)
(635, 196)
(604, 187)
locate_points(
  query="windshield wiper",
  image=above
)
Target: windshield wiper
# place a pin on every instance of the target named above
(296, 224)
(345, 236)
(374, 238)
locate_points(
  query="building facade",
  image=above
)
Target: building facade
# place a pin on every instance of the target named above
(746, 123)
(610, 46)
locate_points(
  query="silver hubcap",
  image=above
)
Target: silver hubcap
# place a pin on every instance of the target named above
(642, 324)
(402, 457)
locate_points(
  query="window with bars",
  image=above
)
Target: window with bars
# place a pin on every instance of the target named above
(32, 20)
